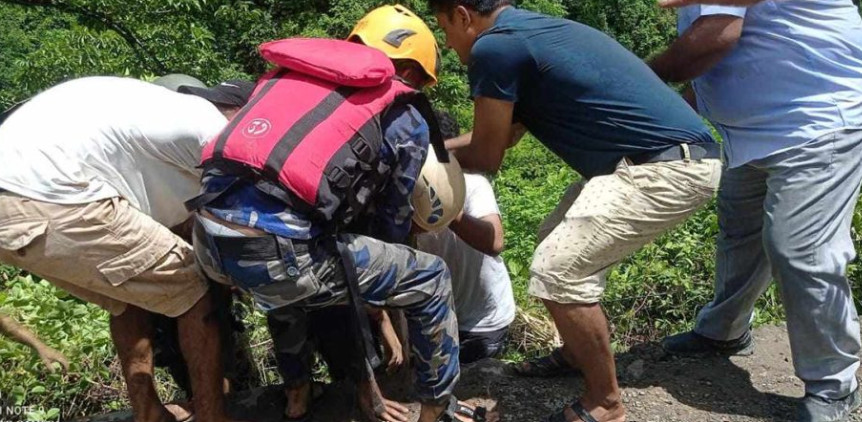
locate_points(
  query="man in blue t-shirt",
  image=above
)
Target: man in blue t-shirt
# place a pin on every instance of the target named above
(651, 162)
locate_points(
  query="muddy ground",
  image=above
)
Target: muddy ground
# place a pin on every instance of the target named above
(656, 388)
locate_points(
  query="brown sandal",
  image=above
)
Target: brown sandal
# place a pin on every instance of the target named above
(549, 366)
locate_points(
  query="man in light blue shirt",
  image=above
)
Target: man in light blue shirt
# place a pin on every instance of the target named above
(782, 83)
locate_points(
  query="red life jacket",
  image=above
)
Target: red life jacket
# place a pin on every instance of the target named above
(313, 126)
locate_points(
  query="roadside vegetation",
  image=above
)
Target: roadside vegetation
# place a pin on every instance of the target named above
(653, 293)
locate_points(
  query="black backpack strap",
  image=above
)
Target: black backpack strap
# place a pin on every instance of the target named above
(203, 199)
(362, 325)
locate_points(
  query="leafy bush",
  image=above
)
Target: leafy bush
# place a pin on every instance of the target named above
(79, 330)
(652, 293)
(636, 24)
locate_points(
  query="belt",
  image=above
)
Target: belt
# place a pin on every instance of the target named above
(256, 248)
(254, 245)
(702, 151)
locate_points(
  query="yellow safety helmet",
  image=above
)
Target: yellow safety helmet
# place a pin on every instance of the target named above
(400, 34)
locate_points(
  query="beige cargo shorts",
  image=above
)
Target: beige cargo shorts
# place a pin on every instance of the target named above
(600, 222)
(105, 252)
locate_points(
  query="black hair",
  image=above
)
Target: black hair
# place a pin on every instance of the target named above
(483, 7)
(405, 64)
(449, 127)
(225, 108)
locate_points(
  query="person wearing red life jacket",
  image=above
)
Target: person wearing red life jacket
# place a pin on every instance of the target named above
(306, 197)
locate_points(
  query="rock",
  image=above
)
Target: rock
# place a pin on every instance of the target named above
(635, 371)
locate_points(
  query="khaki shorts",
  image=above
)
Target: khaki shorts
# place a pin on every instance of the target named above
(105, 252)
(599, 223)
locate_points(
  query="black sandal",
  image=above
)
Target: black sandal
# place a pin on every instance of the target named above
(576, 407)
(548, 366)
(454, 408)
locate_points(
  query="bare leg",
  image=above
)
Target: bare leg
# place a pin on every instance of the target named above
(132, 333)
(199, 341)
(391, 344)
(298, 398)
(586, 326)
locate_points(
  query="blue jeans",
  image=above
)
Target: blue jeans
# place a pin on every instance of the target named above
(788, 217)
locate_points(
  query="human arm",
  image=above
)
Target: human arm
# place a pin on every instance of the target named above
(479, 224)
(492, 134)
(461, 141)
(703, 45)
(19, 333)
(498, 63)
(406, 145)
(394, 351)
(690, 96)
(483, 234)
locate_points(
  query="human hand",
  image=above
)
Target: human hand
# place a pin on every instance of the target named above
(391, 344)
(50, 356)
(396, 356)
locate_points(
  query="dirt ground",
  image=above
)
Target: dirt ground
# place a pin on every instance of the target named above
(656, 388)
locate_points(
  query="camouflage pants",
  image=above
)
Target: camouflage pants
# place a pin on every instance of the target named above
(390, 276)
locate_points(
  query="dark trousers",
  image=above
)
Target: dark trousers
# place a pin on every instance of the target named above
(482, 345)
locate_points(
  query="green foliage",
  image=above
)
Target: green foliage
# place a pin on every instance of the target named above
(212, 40)
(43, 42)
(548, 7)
(637, 24)
(79, 330)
